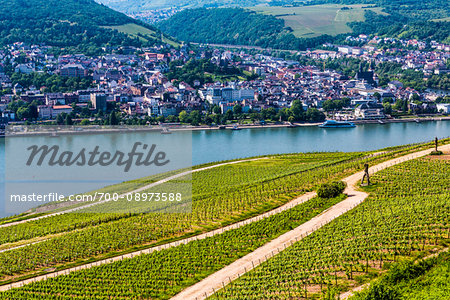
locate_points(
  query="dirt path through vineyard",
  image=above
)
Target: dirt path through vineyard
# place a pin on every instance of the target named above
(218, 280)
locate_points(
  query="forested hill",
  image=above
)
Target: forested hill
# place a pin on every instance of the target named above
(235, 26)
(74, 24)
(408, 19)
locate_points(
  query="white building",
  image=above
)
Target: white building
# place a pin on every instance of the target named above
(370, 111)
(444, 107)
(23, 68)
(49, 111)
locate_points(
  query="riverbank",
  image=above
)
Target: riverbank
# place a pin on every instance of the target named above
(167, 129)
(403, 120)
(287, 125)
(253, 126)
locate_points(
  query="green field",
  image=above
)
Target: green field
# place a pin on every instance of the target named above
(315, 20)
(134, 29)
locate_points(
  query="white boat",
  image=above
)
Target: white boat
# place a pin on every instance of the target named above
(165, 131)
(336, 124)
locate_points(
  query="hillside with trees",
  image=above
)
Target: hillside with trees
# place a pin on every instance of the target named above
(235, 26)
(75, 24)
(411, 20)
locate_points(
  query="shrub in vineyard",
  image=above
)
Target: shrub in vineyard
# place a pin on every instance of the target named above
(330, 190)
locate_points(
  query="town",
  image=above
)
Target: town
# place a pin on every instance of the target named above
(200, 84)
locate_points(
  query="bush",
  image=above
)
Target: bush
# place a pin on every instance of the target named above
(331, 190)
(381, 292)
(436, 153)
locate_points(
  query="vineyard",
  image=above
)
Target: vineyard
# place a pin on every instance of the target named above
(220, 196)
(252, 188)
(407, 215)
(164, 273)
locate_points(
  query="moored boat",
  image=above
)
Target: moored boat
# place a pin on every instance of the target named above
(336, 124)
(165, 130)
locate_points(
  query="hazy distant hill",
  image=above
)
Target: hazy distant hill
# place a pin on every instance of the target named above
(428, 9)
(130, 6)
(80, 24)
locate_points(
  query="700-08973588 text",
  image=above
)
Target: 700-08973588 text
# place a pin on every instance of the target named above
(98, 196)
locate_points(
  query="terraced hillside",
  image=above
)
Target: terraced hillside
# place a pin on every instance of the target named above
(252, 188)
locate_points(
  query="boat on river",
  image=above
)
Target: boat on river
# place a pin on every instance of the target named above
(336, 124)
(165, 130)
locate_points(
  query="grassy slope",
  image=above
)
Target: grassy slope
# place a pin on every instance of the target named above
(311, 21)
(435, 284)
(423, 279)
(134, 29)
